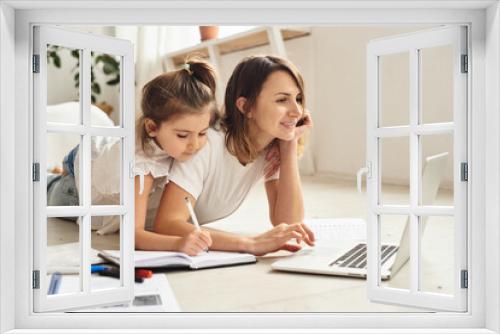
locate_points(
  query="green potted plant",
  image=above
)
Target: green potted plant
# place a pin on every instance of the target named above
(109, 65)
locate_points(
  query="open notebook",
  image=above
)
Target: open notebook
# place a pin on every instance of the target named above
(157, 259)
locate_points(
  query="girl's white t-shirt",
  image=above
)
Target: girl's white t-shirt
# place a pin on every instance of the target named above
(105, 176)
(216, 179)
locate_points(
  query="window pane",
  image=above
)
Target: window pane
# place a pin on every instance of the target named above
(105, 90)
(63, 82)
(106, 170)
(437, 254)
(395, 251)
(436, 84)
(62, 169)
(394, 169)
(394, 89)
(436, 169)
(63, 253)
(105, 236)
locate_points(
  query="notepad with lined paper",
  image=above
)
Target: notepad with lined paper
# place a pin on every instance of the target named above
(165, 259)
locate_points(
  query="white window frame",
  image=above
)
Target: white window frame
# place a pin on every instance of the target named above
(456, 37)
(85, 43)
(16, 19)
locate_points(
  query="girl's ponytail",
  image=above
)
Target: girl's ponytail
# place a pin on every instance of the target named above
(203, 72)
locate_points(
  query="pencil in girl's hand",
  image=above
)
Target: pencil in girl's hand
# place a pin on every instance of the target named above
(191, 213)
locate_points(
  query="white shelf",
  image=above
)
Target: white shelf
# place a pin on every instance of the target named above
(241, 41)
(215, 48)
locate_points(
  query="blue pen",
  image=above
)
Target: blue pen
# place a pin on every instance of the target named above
(96, 268)
(55, 283)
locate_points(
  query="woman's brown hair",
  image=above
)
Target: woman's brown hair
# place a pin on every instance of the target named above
(246, 81)
(185, 91)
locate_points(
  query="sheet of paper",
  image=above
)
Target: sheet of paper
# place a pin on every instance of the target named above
(153, 295)
(65, 258)
(336, 231)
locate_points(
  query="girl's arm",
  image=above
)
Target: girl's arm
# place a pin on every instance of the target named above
(146, 240)
(173, 216)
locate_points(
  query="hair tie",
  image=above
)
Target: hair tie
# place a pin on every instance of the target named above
(187, 67)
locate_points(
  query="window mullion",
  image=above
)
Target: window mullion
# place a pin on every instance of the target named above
(434, 129)
(81, 130)
(414, 171)
(85, 237)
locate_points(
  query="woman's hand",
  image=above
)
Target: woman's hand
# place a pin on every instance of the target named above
(290, 146)
(278, 238)
(305, 122)
(272, 160)
(194, 243)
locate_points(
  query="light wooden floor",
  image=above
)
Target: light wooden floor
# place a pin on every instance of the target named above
(324, 197)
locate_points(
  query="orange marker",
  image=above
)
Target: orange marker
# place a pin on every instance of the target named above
(144, 273)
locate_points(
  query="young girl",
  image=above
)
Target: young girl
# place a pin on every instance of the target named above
(178, 107)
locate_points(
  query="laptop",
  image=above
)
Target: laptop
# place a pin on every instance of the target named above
(332, 255)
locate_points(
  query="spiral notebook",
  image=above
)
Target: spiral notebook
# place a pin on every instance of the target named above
(164, 259)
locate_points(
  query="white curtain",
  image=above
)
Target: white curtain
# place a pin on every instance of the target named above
(151, 44)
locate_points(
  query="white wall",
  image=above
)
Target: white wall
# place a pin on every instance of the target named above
(492, 148)
(7, 168)
(339, 58)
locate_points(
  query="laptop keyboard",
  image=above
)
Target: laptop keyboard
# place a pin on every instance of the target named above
(356, 256)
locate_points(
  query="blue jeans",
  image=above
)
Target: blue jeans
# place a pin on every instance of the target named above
(69, 161)
(61, 189)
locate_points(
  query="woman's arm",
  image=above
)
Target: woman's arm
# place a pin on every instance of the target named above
(285, 194)
(192, 244)
(173, 216)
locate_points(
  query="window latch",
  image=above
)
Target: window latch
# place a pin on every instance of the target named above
(363, 170)
(131, 169)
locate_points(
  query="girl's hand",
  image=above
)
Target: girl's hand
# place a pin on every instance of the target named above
(278, 238)
(272, 160)
(194, 243)
(306, 123)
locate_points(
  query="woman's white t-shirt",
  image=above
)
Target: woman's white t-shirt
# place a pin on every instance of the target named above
(216, 179)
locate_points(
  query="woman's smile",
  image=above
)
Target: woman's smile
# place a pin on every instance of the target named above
(289, 125)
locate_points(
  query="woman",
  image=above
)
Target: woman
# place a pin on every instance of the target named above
(264, 103)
